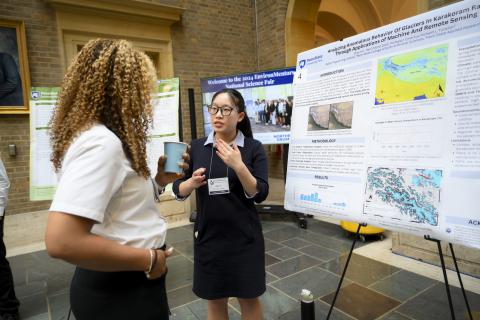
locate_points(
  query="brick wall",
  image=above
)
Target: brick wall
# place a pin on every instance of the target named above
(271, 16)
(45, 70)
(270, 20)
(212, 39)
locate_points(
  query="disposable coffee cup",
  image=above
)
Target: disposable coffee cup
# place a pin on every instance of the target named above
(174, 152)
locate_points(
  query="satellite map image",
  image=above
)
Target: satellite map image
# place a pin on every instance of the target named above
(404, 193)
(416, 75)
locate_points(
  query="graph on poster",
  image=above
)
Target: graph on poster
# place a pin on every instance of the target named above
(324, 201)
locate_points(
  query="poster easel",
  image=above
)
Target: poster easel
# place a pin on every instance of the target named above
(444, 271)
(377, 129)
(440, 253)
(355, 238)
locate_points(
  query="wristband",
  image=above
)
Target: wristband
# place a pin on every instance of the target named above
(153, 262)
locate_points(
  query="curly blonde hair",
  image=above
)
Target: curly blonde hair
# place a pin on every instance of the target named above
(110, 83)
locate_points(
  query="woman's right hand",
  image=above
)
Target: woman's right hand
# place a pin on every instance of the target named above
(195, 181)
(161, 265)
(198, 178)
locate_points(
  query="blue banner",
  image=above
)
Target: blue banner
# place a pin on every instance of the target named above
(249, 80)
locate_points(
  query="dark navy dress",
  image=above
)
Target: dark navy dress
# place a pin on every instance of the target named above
(229, 250)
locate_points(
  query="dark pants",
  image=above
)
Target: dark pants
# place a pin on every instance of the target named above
(8, 301)
(117, 296)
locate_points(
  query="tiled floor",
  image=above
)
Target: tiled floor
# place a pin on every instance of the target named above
(295, 259)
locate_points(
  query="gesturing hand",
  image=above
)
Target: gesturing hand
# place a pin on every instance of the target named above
(198, 178)
(230, 155)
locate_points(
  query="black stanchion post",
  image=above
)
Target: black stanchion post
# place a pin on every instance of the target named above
(447, 287)
(460, 280)
(193, 116)
(307, 305)
(193, 130)
(345, 269)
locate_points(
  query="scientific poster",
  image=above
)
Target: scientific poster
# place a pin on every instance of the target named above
(43, 179)
(386, 127)
(165, 102)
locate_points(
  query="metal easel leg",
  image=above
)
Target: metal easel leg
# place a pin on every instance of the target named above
(447, 287)
(460, 280)
(345, 269)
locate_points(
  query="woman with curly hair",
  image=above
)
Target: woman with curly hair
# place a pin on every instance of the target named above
(103, 217)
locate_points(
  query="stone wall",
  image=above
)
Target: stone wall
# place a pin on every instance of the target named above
(468, 259)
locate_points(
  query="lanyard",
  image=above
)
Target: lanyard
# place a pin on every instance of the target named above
(211, 159)
(217, 186)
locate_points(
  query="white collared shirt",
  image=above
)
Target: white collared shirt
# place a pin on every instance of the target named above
(4, 187)
(97, 182)
(239, 139)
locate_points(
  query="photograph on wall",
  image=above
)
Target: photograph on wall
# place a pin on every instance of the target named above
(268, 99)
(13, 68)
(416, 75)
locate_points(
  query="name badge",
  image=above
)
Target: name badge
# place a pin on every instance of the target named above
(218, 186)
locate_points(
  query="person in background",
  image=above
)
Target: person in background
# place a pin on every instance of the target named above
(257, 113)
(8, 301)
(267, 112)
(288, 111)
(261, 110)
(271, 112)
(230, 172)
(103, 217)
(281, 113)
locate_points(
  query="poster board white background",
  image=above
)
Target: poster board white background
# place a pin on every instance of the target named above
(43, 179)
(386, 127)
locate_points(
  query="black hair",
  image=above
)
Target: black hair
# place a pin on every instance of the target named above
(237, 99)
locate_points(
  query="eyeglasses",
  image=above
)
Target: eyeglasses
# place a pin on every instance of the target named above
(224, 110)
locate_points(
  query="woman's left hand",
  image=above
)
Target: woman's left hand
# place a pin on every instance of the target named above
(163, 178)
(229, 154)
